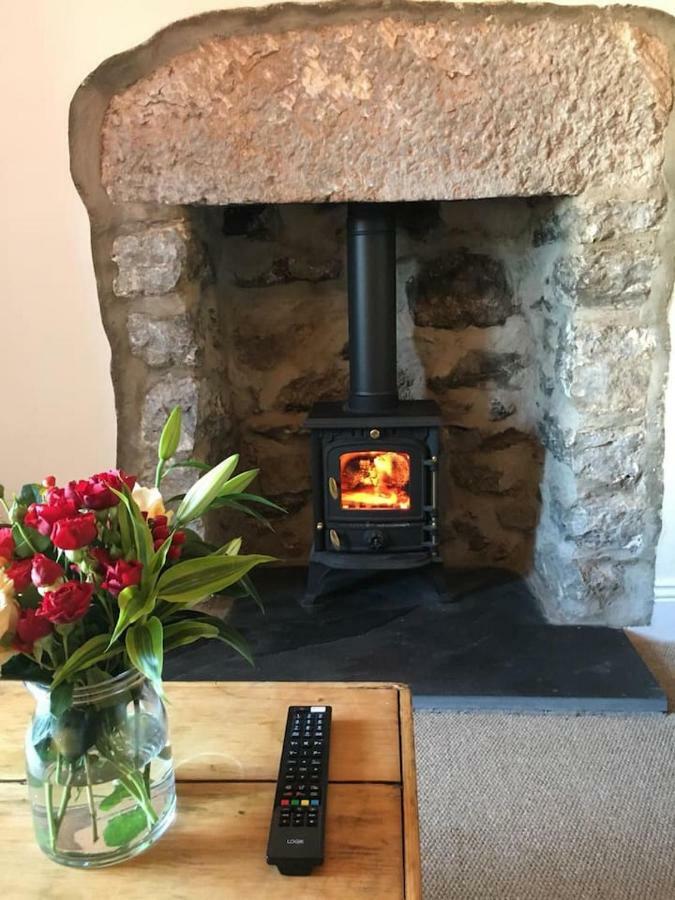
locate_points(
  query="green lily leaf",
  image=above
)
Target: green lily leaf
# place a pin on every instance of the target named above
(228, 636)
(155, 566)
(126, 530)
(28, 541)
(133, 604)
(30, 493)
(252, 592)
(232, 548)
(231, 503)
(182, 633)
(145, 648)
(118, 795)
(195, 579)
(239, 483)
(142, 536)
(123, 828)
(60, 698)
(91, 652)
(202, 494)
(23, 668)
(263, 501)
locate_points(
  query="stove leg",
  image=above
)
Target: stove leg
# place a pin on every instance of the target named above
(436, 574)
(322, 581)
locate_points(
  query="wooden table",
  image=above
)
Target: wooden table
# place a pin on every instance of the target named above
(227, 739)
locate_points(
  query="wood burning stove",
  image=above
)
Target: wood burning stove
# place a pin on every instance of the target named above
(375, 458)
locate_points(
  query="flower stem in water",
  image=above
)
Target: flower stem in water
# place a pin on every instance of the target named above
(137, 732)
(65, 797)
(49, 807)
(90, 799)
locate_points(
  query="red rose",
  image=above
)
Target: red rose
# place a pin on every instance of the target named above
(43, 516)
(102, 557)
(117, 478)
(67, 603)
(96, 493)
(29, 628)
(6, 545)
(123, 574)
(20, 574)
(74, 532)
(45, 571)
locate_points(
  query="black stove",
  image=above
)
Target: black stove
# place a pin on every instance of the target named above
(375, 457)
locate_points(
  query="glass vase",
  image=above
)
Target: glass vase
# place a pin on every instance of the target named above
(100, 773)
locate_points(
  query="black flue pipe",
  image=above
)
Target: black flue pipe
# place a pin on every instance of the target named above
(371, 268)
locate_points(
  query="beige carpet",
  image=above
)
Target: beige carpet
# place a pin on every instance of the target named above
(549, 807)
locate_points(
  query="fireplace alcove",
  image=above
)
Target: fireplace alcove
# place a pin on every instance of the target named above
(527, 147)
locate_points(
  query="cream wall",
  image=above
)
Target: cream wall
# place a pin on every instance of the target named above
(55, 392)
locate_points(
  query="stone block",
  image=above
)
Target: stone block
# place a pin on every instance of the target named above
(172, 390)
(480, 367)
(284, 269)
(500, 409)
(600, 590)
(163, 342)
(149, 262)
(605, 368)
(504, 465)
(284, 464)
(607, 459)
(311, 387)
(617, 276)
(586, 219)
(515, 515)
(619, 522)
(460, 289)
(490, 106)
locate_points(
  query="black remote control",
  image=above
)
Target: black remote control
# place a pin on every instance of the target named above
(295, 844)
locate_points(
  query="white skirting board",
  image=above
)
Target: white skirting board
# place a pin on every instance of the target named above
(664, 592)
(662, 627)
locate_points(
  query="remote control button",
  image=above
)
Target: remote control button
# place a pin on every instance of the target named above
(295, 802)
(304, 803)
(314, 802)
(284, 802)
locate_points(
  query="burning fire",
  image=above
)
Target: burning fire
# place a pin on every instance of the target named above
(375, 479)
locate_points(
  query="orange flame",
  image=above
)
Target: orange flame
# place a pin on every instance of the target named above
(375, 479)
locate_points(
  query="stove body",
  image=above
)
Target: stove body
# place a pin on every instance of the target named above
(374, 478)
(375, 457)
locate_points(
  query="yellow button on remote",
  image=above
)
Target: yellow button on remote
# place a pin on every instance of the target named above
(304, 803)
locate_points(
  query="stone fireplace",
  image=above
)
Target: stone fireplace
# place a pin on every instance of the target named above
(526, 148)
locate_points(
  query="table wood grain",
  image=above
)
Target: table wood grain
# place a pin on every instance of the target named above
(227, 739)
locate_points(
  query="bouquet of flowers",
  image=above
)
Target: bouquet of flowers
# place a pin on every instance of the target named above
(98, 580)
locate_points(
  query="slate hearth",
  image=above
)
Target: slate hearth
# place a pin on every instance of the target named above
(489, 648)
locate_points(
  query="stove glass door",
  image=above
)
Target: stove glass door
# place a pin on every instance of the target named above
(375, 479)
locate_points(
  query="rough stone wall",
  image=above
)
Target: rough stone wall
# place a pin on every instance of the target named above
(539, 325)
(600, 402)
(463, 339)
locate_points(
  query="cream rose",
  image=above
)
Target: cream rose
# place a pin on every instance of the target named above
(9, 613)
(150, 501)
